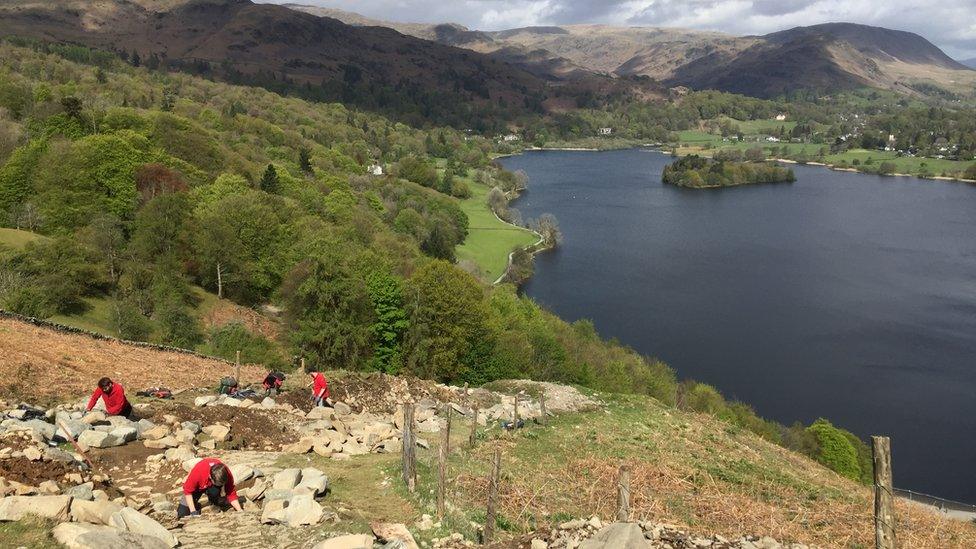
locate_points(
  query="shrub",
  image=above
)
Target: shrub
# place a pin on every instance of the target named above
(835, 449)
(224, 341)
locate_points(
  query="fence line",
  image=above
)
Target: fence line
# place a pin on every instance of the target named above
(942, 503)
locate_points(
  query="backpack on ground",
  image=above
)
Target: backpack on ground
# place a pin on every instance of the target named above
(228, 385)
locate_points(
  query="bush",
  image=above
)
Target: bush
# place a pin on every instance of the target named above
(179, 327)
(835, 449)
(224, 341)
(131, 323)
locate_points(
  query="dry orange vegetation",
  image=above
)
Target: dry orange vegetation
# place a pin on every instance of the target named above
(39, 364)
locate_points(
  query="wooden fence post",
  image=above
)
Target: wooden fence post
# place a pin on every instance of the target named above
(884, 510)
(409, 448)
(492, 497)
(442, 473)
(474, 428)
(447, 429)
(623, 494)
(515, 414)
(304, 371)
(542, 407)
(237, 368)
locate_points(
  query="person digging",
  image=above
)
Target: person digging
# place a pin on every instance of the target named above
(114, 397)
(320, 389)
(210, 476)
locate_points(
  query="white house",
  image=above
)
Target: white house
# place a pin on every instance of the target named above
(605, 131)
(511, 137)
(375, 169)
(780, 117)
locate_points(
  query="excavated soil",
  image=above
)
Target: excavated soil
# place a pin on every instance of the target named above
(29, 472)
(250, 428)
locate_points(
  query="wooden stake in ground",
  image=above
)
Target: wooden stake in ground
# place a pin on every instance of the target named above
(442, 473)
(409, 448)
(542, 407)
(884, 510)
(237, 368)
(623, 494)
(474, 428)
(515, 414)
(447, 429)
(71, 439)
(492, 496)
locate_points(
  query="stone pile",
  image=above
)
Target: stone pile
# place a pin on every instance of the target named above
(90, 524)
(593, 534)
(91, 430)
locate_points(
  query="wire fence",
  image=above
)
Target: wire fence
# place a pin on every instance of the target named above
(944, 505)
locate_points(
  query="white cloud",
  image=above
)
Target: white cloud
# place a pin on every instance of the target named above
(950, 24)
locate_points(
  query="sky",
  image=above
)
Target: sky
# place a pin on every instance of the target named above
(949, 24)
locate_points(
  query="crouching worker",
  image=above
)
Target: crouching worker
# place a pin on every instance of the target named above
(320, 389)
(114, 397)
(210, 476)
(272, 383)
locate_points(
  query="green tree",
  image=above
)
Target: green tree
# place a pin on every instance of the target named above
(305, 161)
(269, 181)
(836, 450)
(386, 295)
(447, 314)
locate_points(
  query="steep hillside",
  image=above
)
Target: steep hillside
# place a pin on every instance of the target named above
(285, 49)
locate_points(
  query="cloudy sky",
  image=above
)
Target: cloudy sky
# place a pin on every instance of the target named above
(950, 24)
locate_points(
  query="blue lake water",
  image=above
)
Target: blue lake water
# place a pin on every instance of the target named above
(847, 296)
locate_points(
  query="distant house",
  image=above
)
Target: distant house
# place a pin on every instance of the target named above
(605, 131)
(772, 139)
(780, 117)
(375, 169)
(511, 137)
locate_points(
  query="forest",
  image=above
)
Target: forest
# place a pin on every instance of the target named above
(140, 194)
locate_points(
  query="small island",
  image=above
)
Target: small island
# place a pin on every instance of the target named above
(696, 172)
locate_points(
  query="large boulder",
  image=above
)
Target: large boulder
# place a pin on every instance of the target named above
(124, 434)
(97, 439)
(354, 448)
(165, 442)
(50, 507)
(286, 479)
(241, 472)
(40, 428)
(388, 532)
(218, 432)
(75, 428)
(619, 535)
(320, 413)
(130, 520)
(342, 409)
(81, 492)
(93, 417)
(349, 541)
(95, 512)
(74, 535)
(180, 453)
(156, 432)
(314, 481)
(204, 400)
(299, 510)
(303, 446)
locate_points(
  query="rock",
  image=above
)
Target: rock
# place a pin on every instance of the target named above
(184, 436)
(143, 425)
(286, 479)
(48, 487)
(218, 432)
(57, 454)
(387, 532)
(575, 524)
(130, 520)
(342, 409)
(93, 417)
(425, 523)
(390, 446)
(41, 428)
(350, 541)
(299, 510)
(595, 522)
(165, 442)
(313, 480)
(539, 544)
(241, 472)
(119, 421)
(17, 507)
(156, 433)
(354, 448)
(97, 439)
(204, 400)
(124, 434)
(268, 402)
(75, 428)
(81, 492)
(180, 453)
(232, 402)
(192, 426)
(246, 403)
(95, 512)
(189, 464)
(422, 442)
(93, 536)
(256, 490)
(619, 535)
(303, 446)
(334, 438)
(320, 413)
(32, 453)
(322, 449)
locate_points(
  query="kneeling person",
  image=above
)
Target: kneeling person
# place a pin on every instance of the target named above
(210, 476)
(114, 396)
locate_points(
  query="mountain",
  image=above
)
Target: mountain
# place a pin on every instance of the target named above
(971, 63)
(286, 50)
(828, 57)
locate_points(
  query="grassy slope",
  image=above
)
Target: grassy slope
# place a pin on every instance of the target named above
(489, 240)
(16, 239)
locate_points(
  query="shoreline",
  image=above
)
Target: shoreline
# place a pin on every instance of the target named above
(536, 249)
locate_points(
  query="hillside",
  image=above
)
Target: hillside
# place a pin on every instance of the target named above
(694, 478)
(827, 58)
(283, 49)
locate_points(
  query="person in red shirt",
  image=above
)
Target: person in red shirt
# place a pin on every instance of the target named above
(320, 389)
(114, 396)
(209, 476)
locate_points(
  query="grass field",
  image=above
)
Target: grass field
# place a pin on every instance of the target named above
(490, 240)
(762, 127)
(16, 239)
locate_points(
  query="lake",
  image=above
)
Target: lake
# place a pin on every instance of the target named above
(847, 296)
